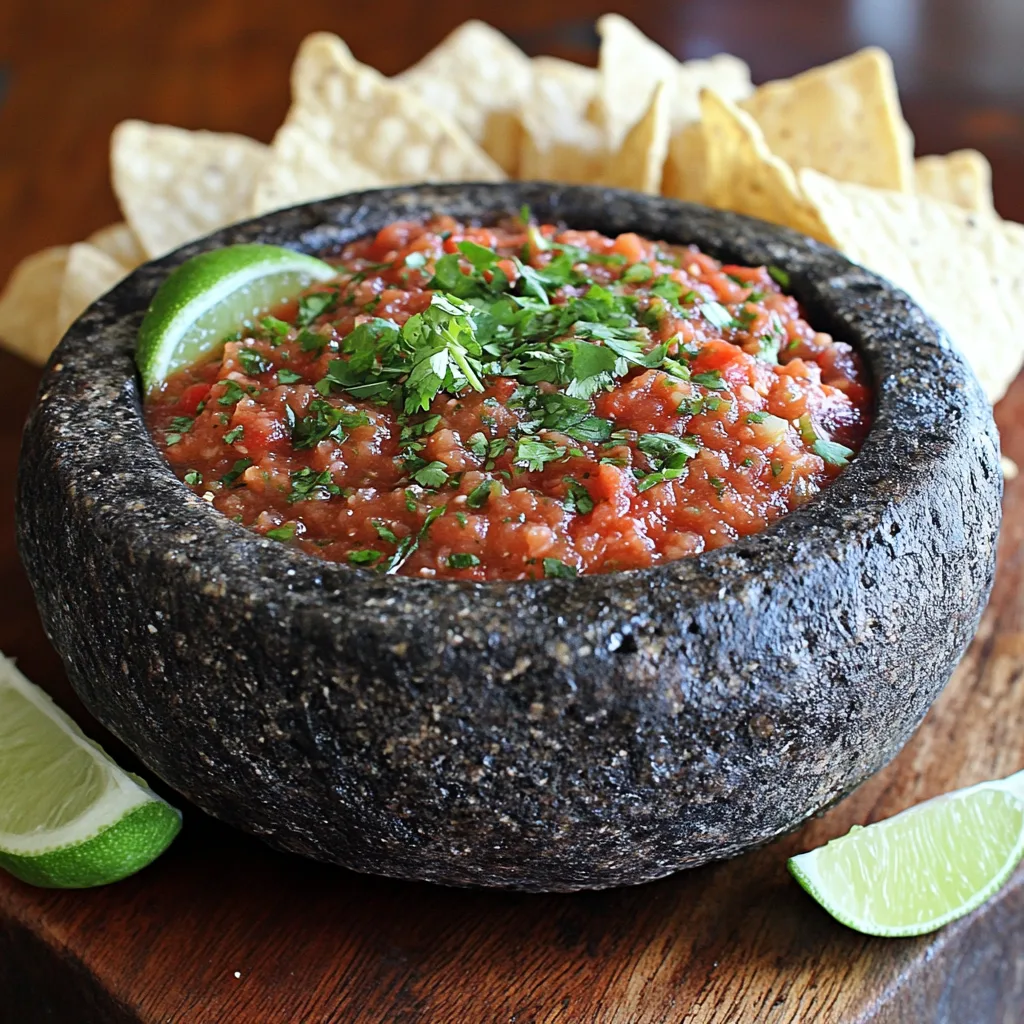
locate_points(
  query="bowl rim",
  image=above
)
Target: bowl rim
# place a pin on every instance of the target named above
(915, 387)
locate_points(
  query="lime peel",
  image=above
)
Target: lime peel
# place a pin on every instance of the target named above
(69, 816)
(918, 870)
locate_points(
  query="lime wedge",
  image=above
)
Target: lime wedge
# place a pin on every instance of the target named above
(211, 296)
(923, 868)
(69, 817)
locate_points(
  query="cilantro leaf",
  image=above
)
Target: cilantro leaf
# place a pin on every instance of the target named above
(433, 474)
(577, 498)
(555, 568)
(480, 495)
(834, 453)
(462, 560)
(533, 454)
(240, 466)
(315, 305)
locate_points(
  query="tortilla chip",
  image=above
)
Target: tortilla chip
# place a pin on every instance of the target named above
(686, 166)
(559, 142)
(640, 159)
(842, 119)
(478, 78)
(119, 242)
(963, 178)
(28, 304)
(359, 117)
(89, 273)
(176, 185)
(302, 168)
(965, 269)
(741, 174)
(631, 65)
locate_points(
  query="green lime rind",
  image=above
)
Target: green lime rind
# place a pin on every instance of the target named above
(112, 854)
(917, 871)
(211, 296)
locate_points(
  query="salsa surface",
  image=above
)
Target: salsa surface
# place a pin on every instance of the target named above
(516, 402)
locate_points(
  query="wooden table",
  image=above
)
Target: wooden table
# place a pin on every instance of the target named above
(224, 931)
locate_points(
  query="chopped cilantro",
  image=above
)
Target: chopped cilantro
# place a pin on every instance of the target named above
(234, 434)
(717, 483)
(555, 568)
(711, 379)
(288, 376)
(384, 531)
(308, 485)
(284, 532)
(229, 478)
(433, 474)
(314, 305)
(477, 444)
(462, 560)
(407, 545)
(533, 454)
(322, 421)
(756, 417)
(310, 341)
(637, 273)
(364, 556)
(834, 453)
(410, 501)
(479, 496)
(779, 276)
(667, 449)
(252, 362)
(193, 478)
(577, 498)
(277, 328)
(717, 315)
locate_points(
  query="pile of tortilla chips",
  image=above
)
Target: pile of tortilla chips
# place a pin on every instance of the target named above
(826, 152)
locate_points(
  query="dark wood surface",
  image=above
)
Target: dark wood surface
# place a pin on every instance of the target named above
(223, 930)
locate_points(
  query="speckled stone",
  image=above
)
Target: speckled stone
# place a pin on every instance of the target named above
(551, 735)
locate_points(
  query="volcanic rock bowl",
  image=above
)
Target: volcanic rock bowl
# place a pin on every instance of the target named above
(548, 735)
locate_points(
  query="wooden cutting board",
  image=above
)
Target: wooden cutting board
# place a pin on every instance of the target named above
(222, 930)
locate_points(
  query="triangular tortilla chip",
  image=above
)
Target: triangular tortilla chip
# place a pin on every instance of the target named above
(741, 174)
(28, 304)
(963, 178)
(842, 119)
(302, 168)
(478, 78)
(119, 242)
(559, 142)
(631, 65)
(358, 116)
(641, 157)
(176, 185)
(89, 273)
(965, 269)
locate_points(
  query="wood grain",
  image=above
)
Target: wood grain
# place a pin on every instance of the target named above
(224, 931)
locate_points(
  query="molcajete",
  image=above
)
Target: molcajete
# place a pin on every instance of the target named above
(543, 735)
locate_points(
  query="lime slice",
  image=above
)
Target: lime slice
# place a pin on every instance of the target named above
(211, 295)
(69, 817)
(923, 868)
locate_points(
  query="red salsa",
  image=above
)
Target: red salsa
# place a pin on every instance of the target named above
(515, 402)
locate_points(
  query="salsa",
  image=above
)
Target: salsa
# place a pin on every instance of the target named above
(515, 402)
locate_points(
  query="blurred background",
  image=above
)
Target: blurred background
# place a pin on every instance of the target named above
(69, 71)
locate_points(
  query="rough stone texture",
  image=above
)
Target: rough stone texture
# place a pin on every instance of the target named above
(545, 736)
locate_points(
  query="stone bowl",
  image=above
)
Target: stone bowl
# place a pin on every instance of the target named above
(548, 735)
